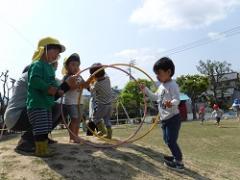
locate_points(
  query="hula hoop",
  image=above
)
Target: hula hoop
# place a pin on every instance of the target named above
(130, 138)
(119, 141)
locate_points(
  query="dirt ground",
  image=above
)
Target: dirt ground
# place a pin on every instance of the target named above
(74, 161)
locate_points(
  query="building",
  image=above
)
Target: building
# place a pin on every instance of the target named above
(228, 88)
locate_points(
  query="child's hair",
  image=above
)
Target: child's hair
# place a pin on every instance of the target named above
(53, 46)
(164, 64)
(95, 67)
(73, 57)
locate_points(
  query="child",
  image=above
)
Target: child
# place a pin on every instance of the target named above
(42, 88)
(102, 95)
(236, 107)
(217, 113)
(71, 106)
(201, 113)
(168, 99)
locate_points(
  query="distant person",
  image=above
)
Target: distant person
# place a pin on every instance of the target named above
(236, 108)
(217, 114)
(168, 99)
(201, 113)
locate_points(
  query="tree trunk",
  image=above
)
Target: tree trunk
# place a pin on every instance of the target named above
(194, 110)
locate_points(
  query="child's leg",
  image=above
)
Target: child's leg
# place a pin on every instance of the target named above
(97, 118)
(107, 121)
(218, 121)
(74, 113)
(41, 120)
(170, 134)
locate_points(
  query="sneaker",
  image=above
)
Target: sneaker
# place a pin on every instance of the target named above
(169, 164)
(179, 166)
(25, 147)
(168, 158)
(175, 166)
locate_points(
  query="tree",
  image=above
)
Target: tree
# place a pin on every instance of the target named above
(215, 71)
(131, 97)
(193, 86)
(4, 94)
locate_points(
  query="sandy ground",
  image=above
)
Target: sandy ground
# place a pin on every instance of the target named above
(74, 161)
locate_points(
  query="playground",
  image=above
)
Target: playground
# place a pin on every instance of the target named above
(210, 153)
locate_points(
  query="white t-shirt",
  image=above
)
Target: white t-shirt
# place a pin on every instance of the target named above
(168, 91)
(71, 97)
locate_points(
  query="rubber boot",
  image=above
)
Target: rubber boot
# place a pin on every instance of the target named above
(42, 149)
(109, 133)
(101, 129)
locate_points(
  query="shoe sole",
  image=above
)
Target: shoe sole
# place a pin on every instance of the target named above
(172, 168)
(24, 152)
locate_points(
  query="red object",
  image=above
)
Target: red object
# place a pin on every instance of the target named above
(183, 110)
(202, 109)
(215, 106)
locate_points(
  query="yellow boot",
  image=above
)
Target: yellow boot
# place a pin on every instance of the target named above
(101, 129)
(42, 149)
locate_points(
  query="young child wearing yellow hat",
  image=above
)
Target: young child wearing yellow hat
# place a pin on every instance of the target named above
(42, 87)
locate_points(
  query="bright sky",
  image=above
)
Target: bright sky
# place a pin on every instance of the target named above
(116, 31)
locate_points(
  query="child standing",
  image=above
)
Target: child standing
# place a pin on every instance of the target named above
(71, 107)
(217, 114)
(102, 97)
(168, 99)
(201, 113)
(236, 108)
(42, 87)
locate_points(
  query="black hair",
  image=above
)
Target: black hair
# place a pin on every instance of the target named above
(53, 46)
(95, 67)
(73, 57)
(164, 64)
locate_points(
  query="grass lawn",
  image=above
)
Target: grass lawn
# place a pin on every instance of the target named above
(205, 147)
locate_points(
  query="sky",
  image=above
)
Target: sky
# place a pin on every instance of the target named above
(117, 31)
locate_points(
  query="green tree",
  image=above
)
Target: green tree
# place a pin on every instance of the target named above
(215, 71)
(131, 97)
(193, 86)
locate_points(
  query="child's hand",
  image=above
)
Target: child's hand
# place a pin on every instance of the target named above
(168, 104)
(72, 81)
(83, 85)
(52, 90)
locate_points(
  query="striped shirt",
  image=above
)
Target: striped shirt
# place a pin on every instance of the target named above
(102, 91)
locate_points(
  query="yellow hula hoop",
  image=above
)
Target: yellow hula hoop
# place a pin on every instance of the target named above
(111, 141)
(131, 140)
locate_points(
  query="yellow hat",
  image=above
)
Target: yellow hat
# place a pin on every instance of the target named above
(43, 43)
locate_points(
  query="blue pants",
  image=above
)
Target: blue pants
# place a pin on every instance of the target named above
(171, 129)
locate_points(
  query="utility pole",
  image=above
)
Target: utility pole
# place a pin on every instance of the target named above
(131, 63)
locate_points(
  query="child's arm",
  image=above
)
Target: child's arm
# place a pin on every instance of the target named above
(149, 93)
(175, 96)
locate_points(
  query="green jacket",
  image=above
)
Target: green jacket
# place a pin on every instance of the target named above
(41, 76)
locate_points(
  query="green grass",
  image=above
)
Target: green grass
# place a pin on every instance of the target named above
(205, 147)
